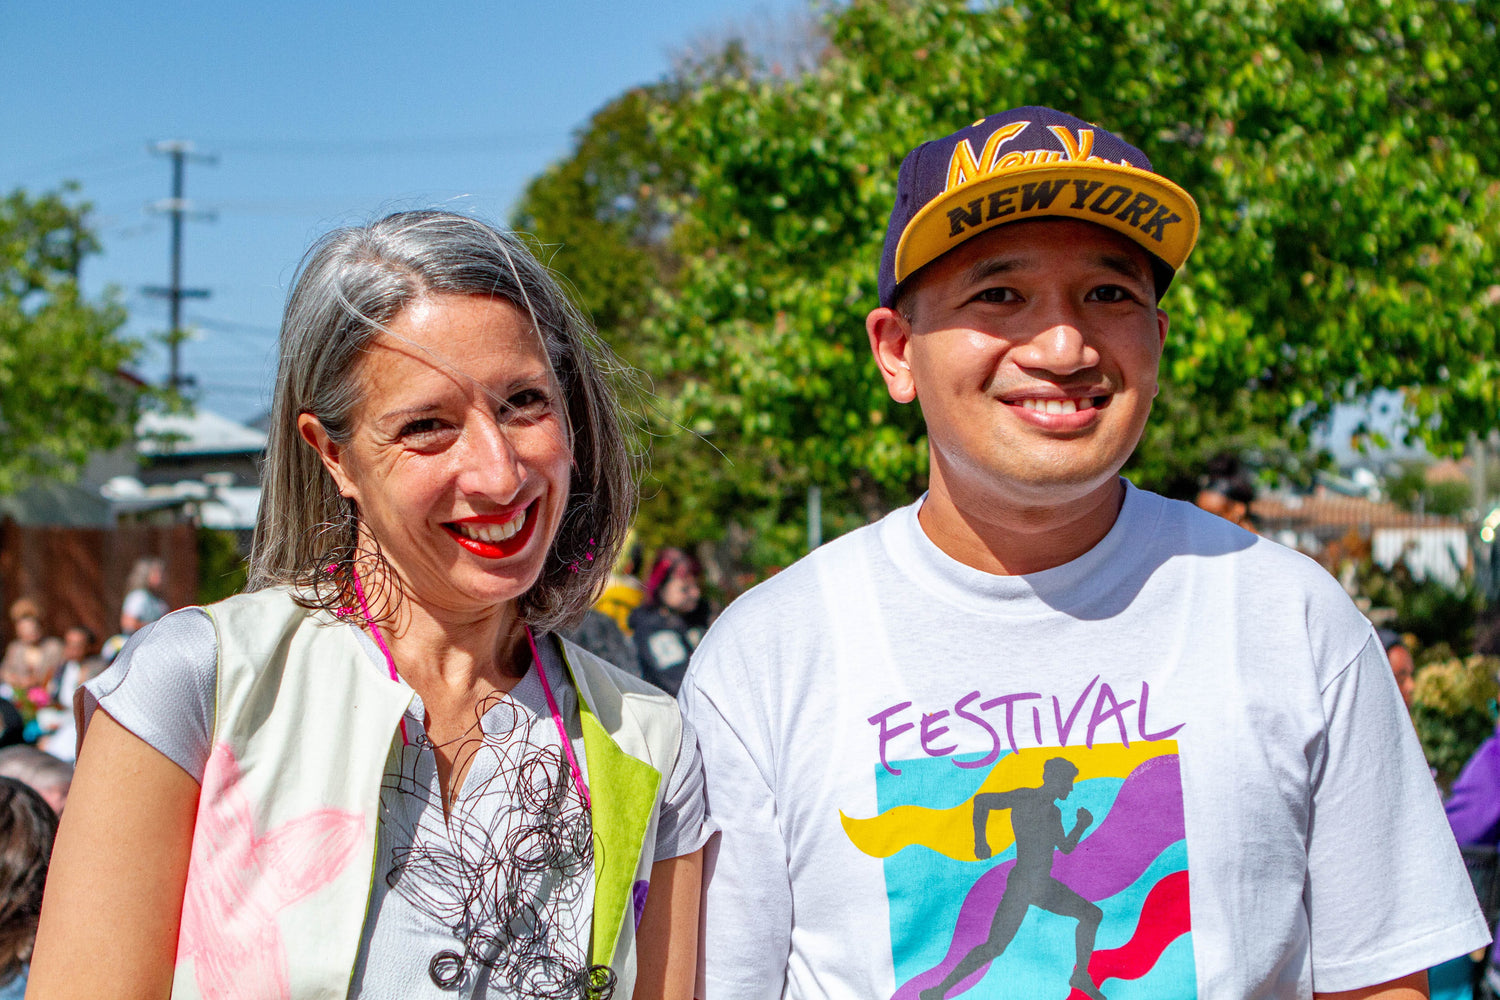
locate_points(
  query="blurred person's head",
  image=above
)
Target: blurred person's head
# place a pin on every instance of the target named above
(27, 828)
(673, 582)
(1227, 491)
(78, 643)
(45, 774)
(148, 573)
(1403, 667)
(26, 621)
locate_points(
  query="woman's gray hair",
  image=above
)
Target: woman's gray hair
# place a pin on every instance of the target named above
(350, 286)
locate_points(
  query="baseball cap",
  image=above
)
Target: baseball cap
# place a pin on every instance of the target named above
(1031, 163)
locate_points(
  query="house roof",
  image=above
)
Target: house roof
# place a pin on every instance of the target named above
(201, 432)
(1326, 511)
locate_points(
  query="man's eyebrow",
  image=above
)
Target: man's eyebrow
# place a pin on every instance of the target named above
(991, 266)
(1122, 264)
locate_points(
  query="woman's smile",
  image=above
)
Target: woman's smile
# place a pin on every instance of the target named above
(495, 536)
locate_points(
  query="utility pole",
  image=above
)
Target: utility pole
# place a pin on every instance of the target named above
(178, 207)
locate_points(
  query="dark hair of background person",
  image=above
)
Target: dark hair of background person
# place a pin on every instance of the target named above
(668, 562)
(27, 828)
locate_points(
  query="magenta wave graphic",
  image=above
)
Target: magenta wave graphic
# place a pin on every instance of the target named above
(1165, 917)
(1145, 820)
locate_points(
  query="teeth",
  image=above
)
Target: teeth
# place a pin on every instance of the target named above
(492, 533)
(1058, 405)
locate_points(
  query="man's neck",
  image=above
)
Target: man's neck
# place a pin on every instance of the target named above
(1012, 539)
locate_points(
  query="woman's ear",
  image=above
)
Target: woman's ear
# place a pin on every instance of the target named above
(332, 454)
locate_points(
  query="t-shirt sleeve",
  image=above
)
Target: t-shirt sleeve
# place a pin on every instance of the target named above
(684, 826)
(747, 896)
(161, 687)
(1387, 892)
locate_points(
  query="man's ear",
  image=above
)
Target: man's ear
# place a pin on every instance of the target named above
(890, 342)
(330, 451)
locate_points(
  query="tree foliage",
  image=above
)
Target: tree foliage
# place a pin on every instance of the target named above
(1346, 159)
(61, 397)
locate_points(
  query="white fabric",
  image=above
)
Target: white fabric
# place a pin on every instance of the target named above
(1308, 834)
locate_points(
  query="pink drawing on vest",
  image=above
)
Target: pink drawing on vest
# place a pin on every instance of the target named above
(238, 882)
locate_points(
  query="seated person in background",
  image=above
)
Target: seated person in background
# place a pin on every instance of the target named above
(668, 625)
(32, 656)
(27, 826)
(59, 732)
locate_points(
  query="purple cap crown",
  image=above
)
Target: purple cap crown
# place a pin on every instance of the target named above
(1030, 163)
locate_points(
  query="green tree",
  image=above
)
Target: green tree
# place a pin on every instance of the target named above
(1346, 159)
(61, 397)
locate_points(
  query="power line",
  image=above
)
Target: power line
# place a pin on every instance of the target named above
(493, 143)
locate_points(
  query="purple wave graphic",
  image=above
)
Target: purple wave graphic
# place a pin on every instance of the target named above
(1145, 820)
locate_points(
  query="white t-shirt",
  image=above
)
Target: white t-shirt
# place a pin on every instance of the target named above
(1261, 822)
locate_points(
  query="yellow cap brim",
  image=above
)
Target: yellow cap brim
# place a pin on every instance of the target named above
(1140, 205)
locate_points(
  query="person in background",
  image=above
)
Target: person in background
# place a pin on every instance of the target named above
(143, 602)
(1403, 667)
(32, 656)
(40, 771)
(599, 634)
(670, 622)
(1473, 809)
(623, 593)
(1228, 492)
(27, 827)
(59, 735)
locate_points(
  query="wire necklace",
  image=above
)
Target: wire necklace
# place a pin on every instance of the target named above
(497, 883)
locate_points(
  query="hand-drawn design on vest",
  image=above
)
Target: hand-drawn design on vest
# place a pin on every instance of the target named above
(1057, 850)
(511, 881)
(239, 880)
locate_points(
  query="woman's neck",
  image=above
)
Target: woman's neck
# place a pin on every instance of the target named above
(438, 648)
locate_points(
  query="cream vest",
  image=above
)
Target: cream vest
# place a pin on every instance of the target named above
(284, 843)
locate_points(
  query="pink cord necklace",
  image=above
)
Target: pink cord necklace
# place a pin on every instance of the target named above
(541, 672)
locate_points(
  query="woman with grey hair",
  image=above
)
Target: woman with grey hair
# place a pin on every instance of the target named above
(143, 602)
(380, 772)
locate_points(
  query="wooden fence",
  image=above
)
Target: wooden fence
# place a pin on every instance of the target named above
(77, 575)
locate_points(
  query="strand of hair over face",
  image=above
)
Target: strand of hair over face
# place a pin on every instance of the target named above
(351, 285)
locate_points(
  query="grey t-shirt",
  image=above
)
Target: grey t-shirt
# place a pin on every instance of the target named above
(434, 875)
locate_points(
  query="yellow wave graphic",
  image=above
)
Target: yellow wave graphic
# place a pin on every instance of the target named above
(951, 831)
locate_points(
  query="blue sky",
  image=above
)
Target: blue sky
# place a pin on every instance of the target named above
(320, 114)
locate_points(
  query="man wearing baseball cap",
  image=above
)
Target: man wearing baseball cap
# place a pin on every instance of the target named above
(1042, 734)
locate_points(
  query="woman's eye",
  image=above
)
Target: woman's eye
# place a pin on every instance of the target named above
(527, 404)
(423, 431)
